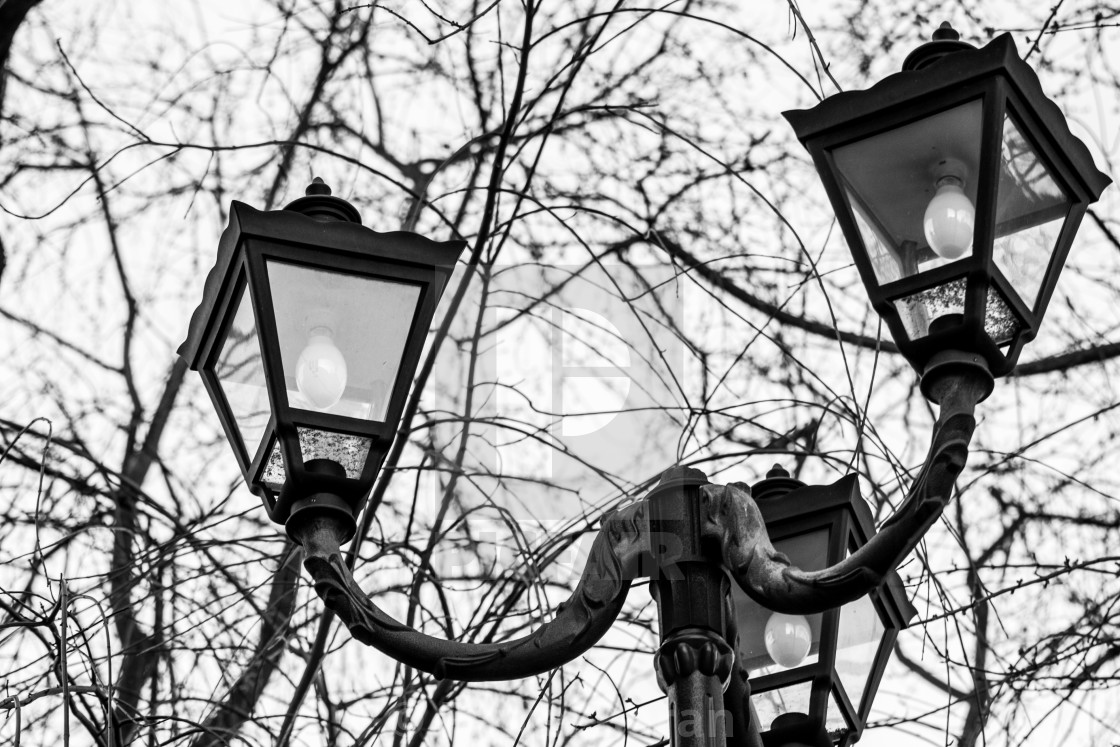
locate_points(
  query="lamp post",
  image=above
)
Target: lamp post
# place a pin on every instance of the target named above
(959, 188)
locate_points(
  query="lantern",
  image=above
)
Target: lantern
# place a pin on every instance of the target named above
(813, 677)
(959, 188)
(307, 338)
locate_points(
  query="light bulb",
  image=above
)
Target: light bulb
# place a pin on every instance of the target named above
(949, 219)
(321, 370)
(788, 638)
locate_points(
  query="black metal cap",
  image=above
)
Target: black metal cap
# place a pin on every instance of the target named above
(796, 728)
(319, 204)
(776, 484)
(945, 40)
(678, 478)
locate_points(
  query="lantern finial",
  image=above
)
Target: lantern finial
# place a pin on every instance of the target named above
(318, 203)
(777, 483)
(945, 40)
(946, 31)
(317, 187)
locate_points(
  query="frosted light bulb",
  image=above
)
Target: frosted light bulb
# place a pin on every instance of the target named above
(948, 220)
(788, 638)
(321, 371)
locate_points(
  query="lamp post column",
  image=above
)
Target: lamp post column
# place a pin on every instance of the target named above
(695, 659)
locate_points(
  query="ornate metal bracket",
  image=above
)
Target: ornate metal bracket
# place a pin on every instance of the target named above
(686, 534)
(614, 561)
(734, 521)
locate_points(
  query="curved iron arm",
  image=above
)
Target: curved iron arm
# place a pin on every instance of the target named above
(734, 521)
(730, 523)
(614, 561)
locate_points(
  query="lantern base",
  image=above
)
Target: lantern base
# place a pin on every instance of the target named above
(320, 504)
(948, 366)
(307, 506)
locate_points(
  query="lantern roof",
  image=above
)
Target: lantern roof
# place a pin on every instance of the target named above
(950, 71)
(330, 236)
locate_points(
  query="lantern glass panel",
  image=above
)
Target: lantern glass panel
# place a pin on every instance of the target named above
(773, 703)
(918, 310)
(834, 722)
(886, 261)
(240, 373)
(274, 473)
(345, 449)
(1000, 322)
(793, 638)
(342, 338)
(1030, 211)
(859, 635)
(891, 178)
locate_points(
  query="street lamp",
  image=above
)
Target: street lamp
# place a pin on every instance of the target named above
(959, 188)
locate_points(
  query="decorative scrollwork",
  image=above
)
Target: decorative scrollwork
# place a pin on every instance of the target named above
(734, 521)
(614, 561)
(694, 650)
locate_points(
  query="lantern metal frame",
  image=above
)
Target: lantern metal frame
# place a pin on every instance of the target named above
(789, 509)
(322, 233)
(943, 80)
